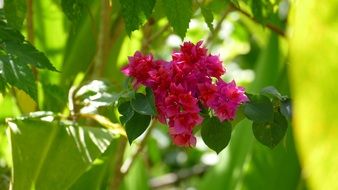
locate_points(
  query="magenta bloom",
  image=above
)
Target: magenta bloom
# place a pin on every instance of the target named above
(227, 99)
(181, 84)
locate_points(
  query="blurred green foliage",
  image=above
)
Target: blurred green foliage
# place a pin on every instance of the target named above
(89, 41)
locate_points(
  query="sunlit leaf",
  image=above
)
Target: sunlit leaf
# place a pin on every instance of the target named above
(19, 75)
(40, 147)
(135, 12)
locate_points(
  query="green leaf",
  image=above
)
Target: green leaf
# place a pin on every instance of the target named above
(15, 12)
(270, 133)
(286, 109)
(135, 12)
(19, 75)
(208, 17)
(151, 98)
(96, 94)
(136, 126)
(54, 96)
(179, 13)
(143, 105)
(28, 54)
(53, 154)
(74, 9)
(7, 33)
(271, 92)
(259, 109)
(15, 58)
(127, 112)
(216, 135)
(257, 10)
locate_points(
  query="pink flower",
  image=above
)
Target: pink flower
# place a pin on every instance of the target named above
(227, 99)
(139, 67)
(179, 86)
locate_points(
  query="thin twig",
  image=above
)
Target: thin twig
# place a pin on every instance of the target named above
(128, 163)
(218, 25)
(173, 178)
(151, 38)
(268, 25)
(120, 172)
(116, 178)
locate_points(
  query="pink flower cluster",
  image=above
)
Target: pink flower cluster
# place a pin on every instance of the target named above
(192, 77)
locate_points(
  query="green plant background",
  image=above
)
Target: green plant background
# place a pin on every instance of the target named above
(290, 45)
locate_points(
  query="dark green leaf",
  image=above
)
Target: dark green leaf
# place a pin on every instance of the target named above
(259, 109)
(126, 111)
(208, 17)
(257, 10)
(143, 105)
(136, 126)
(216, 135)
(135, 12)
(28, 54)
(15, 12)
(286, 109)
(41, 147)
(151, 98)
(179, 13)
(7, 33)
(271, 92)
(19, 75)
(270, 133)
(239, 116)
(74, 9)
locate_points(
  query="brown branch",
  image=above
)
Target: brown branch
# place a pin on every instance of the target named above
(103, 45)
(218, 25)
(30, 30)
(268, 25)
(30, 22)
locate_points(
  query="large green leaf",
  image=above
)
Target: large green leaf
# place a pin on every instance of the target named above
(135, 12)
(179, 13)
(53, 154)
